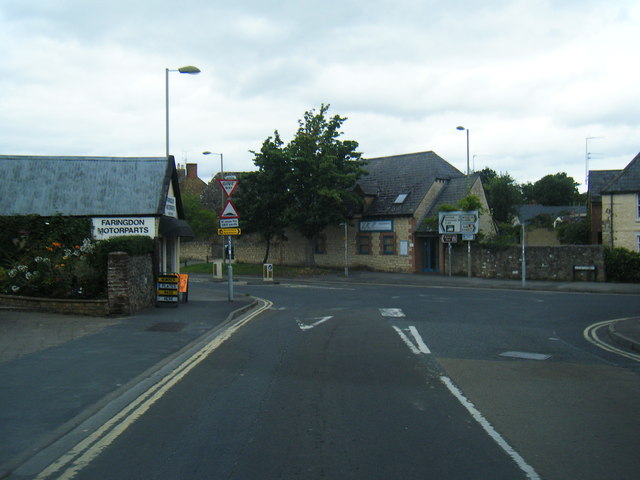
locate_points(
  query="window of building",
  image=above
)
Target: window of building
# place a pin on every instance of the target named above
(364, 244)
(638, 206)
(388, 244)
(638, 242)
(320, 244)
(401, 198)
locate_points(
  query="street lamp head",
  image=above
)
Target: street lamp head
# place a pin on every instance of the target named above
(189, 69)
(460, 128)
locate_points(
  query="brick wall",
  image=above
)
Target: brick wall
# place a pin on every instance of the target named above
(130, 283)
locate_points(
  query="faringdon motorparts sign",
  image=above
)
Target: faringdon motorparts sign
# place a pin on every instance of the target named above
(107, 227)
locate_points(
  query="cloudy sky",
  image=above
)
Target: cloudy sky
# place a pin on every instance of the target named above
(530, 79)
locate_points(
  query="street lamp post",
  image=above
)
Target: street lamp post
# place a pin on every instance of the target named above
(468, 241)
(190, 70)
(207, 152)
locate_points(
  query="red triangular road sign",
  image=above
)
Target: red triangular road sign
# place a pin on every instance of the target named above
(228, 185)
(229, 211)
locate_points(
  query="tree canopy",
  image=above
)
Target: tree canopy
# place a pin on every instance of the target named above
(306, 184)
(557, 189)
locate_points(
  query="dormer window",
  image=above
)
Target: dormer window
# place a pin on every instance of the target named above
(400, 198)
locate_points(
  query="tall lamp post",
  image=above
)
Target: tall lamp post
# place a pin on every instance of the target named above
(463, 129)
(468, 242)
(190, 70)
(207, 152)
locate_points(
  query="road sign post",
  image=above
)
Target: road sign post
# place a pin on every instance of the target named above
(464, 223)
(229, 225)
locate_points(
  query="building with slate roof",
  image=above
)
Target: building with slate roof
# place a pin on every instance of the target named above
(122, 196)
(621, 208)
(393, 230)
(402, 192)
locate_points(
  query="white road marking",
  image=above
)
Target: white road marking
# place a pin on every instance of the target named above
(488, 428)
(318, 321)
(391, 312)
(419, 347)
(526, 355)
(591, 335)
(88, 449)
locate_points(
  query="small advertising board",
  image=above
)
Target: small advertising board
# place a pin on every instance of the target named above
(167, 289)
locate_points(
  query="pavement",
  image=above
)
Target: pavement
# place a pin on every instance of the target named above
(57, 371)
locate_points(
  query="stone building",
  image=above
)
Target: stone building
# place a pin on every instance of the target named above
(391, 232)
(621, 208)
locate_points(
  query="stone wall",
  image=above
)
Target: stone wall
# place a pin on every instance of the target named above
(201, 251)
(542, 263)
(130, 283)
(251, 249)
(93, 308)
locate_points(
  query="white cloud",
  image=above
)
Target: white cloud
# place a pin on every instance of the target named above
(530, 79)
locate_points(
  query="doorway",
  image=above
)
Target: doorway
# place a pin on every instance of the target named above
(430, 255)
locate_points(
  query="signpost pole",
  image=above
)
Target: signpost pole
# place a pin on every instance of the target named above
(524, 262)
(230, 268)
(449, 259)
(469, 259)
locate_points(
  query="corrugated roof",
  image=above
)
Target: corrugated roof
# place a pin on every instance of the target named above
(411, 174)
(628, 181)
(84, 186)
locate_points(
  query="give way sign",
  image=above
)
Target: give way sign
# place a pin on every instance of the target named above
(228, 185)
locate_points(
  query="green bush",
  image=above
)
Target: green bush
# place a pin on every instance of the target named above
(622, 265)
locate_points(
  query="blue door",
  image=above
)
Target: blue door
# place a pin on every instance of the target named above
(430, 255)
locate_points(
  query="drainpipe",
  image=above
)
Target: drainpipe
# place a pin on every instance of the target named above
(611, 220)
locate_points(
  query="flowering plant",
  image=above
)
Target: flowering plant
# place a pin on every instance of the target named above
(59, 271)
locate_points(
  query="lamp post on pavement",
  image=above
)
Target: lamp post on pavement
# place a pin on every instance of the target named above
(189, 70)
(468, 191)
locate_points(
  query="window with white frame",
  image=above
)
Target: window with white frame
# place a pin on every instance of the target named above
(638, 206)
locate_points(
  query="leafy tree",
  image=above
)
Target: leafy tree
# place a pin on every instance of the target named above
(503, 194)
(575, 233)
(558, 189)
(202, 220)
(263, 196)
(487, 174)
(322, 171)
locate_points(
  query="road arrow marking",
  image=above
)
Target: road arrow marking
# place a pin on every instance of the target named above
(319, 320)
(391, 312)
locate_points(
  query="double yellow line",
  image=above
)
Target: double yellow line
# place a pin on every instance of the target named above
(591, 335)
(69, 464)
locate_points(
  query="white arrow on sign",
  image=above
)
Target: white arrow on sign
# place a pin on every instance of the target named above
(229, 211)
(229, 186)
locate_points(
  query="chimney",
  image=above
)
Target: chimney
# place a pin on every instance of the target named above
(192, 170)
(180, 170)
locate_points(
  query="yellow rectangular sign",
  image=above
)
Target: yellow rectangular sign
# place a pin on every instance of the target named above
(228, 231)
